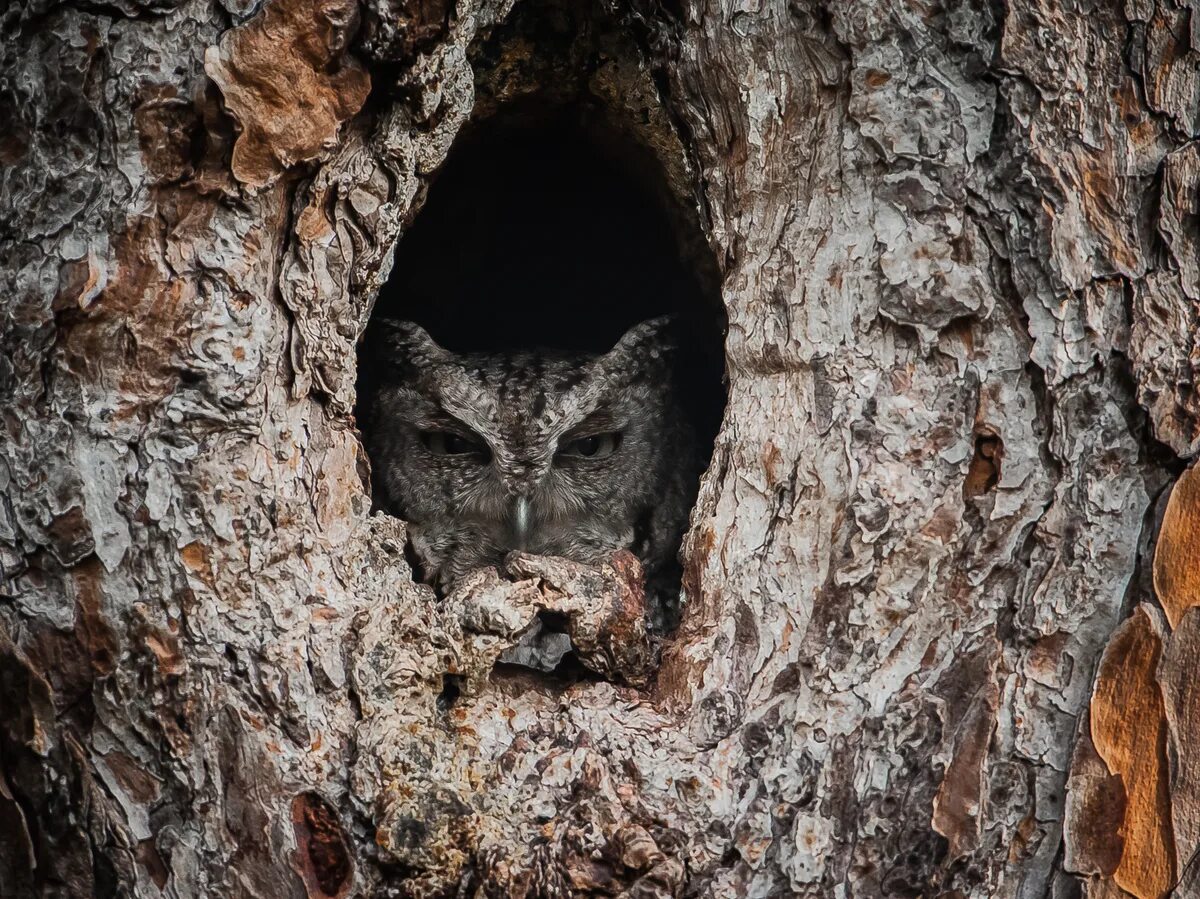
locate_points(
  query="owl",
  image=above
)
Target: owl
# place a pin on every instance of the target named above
(552, 453)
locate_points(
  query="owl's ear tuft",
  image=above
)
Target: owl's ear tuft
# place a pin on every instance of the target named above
(652, 342)
(404, 345)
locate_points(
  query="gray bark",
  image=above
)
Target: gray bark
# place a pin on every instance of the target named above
(928, 647)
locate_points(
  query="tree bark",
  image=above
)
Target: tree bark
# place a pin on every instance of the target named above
(938, 638)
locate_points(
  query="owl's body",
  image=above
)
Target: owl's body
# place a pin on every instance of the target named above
(567, 455)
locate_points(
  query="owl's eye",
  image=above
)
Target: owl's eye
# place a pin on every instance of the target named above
(594, 446)
(446, 443)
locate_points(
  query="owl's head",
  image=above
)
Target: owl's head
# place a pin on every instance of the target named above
(555, 454)
(568, 455)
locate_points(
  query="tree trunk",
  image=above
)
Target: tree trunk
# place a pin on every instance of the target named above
(930, 647)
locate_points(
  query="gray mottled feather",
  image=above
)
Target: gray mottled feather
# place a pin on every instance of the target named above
(524, 492)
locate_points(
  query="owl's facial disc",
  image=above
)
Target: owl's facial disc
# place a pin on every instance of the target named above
(559, 455)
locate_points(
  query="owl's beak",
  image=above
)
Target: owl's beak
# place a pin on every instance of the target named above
(522, 521)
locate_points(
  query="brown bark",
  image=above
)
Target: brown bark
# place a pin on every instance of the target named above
(929, 648)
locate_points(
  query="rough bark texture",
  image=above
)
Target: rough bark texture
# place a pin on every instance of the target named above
(929, 649)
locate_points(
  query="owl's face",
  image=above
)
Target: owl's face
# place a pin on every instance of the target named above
(551, 454)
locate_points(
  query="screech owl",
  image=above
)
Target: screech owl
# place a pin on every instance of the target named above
(545, 452)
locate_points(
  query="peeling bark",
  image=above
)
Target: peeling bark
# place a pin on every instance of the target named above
(936, 641)
(285, 82)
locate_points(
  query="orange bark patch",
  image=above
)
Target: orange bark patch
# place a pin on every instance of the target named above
(959, 799)
(970, 691)
(197, 559)
(1177, 556)
(288, 82)
(125, 341)
(166, 651)
(1181, 698)
(984, 472)
(772, 458)
(91, 627)
(1129, 731)
(1103, 192)
(135, 780)
(323, 856)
